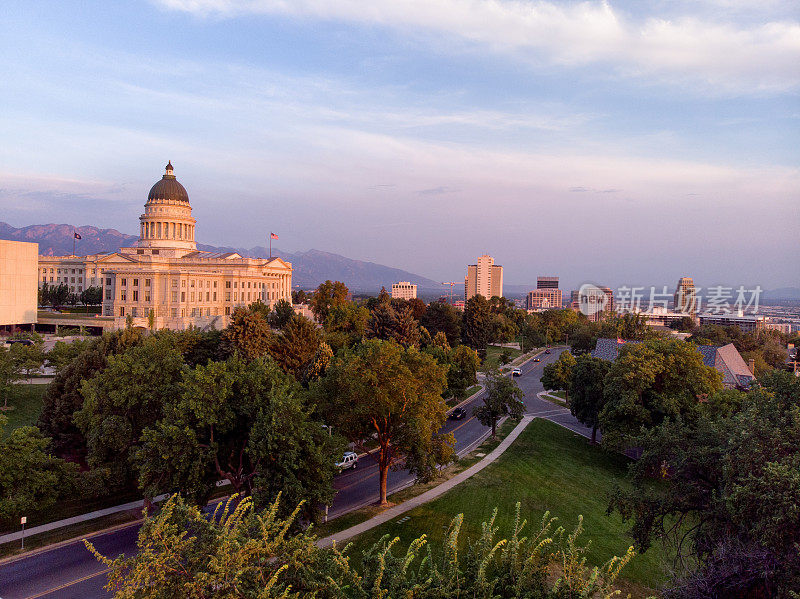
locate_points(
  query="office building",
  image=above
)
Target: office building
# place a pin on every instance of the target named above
(546, 282)
(685, 298)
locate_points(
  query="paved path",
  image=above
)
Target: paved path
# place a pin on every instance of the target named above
(430, 495)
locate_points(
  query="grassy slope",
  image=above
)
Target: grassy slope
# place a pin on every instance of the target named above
(493, 354)
(27, 403)
(547, 467)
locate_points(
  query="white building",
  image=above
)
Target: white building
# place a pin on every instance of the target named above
(164, 281)
(484, 278)
(404, 290)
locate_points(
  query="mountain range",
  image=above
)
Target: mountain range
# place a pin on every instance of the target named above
(311, 267)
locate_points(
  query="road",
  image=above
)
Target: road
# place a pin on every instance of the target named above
(69, 571)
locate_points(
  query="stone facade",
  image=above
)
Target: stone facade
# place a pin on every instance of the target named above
(164, 281)
(18, 288)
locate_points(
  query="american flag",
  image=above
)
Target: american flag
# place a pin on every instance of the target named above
(273, 236)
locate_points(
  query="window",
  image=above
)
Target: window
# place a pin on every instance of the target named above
(147, 282)
(174, 313)
(191, 283)
(80, 287)
(235, 284)
(248, 284)
(183, 296)
(192, 296)
(235, 297)
(136, 295)
(72, 279)
(108, 294)
(51, 279)
(136, 282)
(80, 271)
(108, 281)
(122, 310)
(174, 296)
(215, 283)
(227, 310)
(215, 296)
(183, 283)
(227, 296)
(174, 282)
(73, 271)
(193, 311)
(227, 284)
(208, 296)
(183, 312)
(134, 312)
(51, 271)
(124, 282)
(122, 296)
(80, 279)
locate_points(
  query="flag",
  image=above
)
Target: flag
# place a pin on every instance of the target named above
(273, 236)
(77, 236)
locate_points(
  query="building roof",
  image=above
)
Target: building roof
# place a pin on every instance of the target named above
(726, 359)
(168, 188)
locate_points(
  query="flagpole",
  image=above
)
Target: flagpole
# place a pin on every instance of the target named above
(73, 242)
(270, 245)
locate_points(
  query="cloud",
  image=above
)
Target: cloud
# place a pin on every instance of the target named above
(719, 56)
(436, 191)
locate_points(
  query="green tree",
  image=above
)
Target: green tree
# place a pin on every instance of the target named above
(59, 295)
(248, 333)
(328, 295)
(393, 394)
(299, 297)
(296, 346)
(10, 373)
(441, 317)
(464, 363)
(124, 399)
(345, 325)
(31, 480)
(502, 398)
(64, 353)
(587, 384)
(382, 321)
(92, 296)
(406, 328)
(29, 358)
(558, 375)
(651, 381)
(729, 501)
(281, 314)
(246, 422)
(478, 323)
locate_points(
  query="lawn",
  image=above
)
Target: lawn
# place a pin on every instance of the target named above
(547, 468)
(493, 354)
(27, 403)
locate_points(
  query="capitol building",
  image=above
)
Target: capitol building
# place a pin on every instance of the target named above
(164, 281)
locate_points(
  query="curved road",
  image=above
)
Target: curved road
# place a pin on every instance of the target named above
(69, 571)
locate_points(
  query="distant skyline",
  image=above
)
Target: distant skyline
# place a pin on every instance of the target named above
(612, 142)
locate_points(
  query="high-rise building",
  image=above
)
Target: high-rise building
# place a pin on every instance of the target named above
(685, 296)
(404, 290)
(484, 278)
(546, 282)
(595, 302)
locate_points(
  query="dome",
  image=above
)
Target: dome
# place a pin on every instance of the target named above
(168, 188)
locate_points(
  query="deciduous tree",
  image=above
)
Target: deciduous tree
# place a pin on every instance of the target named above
(558, 375)
(502, 398)
(328, 295)
(248, 333)
(587, 384)
(394, 394)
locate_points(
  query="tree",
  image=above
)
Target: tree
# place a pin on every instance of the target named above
(124, 399)
(296, 346)
(299, 297)
(464, 363)
(345, 325)
(59, 295)
(502, 398)
(29, 358)
(328, 295)
(393, 394)
(728, 502)
(92, 296)
(10, 373)
(246, 422)
(382, 321)
(441, 317)
(248, 333)
(651, 381)
(587, 384)
(63, 353)
(406, 329)
(478, 323)
(31, 480)
(558, 375)
(281, 314)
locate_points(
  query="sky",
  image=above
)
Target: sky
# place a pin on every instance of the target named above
(618, 142)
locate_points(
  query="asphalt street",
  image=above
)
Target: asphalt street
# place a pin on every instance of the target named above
(69, 571)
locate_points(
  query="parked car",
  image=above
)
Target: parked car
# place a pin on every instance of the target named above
(516, 372)
(458, 414)
(349, 460)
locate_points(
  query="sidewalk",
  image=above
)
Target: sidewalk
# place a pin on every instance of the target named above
(427, 496)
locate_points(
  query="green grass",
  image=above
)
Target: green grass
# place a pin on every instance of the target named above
(493, 355)
(26, 401)
(547, 468)
(559, 394)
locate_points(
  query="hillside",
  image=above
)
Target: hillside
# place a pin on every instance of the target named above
(311, 267)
